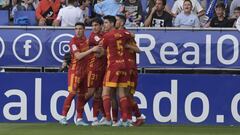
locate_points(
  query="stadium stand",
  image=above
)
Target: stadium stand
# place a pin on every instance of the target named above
(25, 18)
(4, 17)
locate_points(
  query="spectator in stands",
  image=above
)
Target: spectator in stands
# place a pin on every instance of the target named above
(196, 8)
(158, 17)
(69, 16)
(4, 4)
(186, 18)
(234, 4)
(108, 7)
(219, 20)
(151, 4)
(63, 3)
(133, 11)
(30, 2)
(236, 12)
(237, 25)
(26, 5)
(84, 4)
(235, 16)
(46, 11)
(35, 3)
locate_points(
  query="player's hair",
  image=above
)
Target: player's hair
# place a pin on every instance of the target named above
(81, 24)
(164, 2)
(122, 18)
(237, 8)
(221, 5)
(188, 1)
(97, 20)
(110, 18)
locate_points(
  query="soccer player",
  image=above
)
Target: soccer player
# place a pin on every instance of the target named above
(96, 71)
(77, 74)
(116, 75)
(130, 56)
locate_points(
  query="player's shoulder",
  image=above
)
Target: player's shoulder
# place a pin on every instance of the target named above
(124, 31)
(73, 40)
(107, 34)
(102, 33)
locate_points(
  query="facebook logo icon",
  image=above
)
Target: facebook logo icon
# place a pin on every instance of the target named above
(27, 48)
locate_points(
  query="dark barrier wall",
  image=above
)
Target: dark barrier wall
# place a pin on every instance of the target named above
(163, 99)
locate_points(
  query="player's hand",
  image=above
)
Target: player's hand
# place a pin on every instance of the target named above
(127, 46)
(96, 49)
(100, 54)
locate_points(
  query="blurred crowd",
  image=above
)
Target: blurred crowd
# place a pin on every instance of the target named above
(139, 13)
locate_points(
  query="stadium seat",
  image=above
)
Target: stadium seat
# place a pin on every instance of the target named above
(170, 3)
(4, 17)
(25, 18)
(144, 5)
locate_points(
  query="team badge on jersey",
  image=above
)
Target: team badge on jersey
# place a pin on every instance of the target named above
(97, 38)
(74, 47)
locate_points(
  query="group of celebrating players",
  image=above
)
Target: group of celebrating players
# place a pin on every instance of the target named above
(103, 67)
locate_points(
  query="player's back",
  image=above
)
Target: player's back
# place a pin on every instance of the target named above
(114, 42)
(130, 55)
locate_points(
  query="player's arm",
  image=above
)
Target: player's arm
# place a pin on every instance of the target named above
(133, 47)
(80, 55)
(132, 34)
(101, 50)
(77, 53)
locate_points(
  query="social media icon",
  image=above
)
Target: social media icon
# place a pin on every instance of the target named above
(2, 47)
(63, 47)
(60, 46)
(27, 48)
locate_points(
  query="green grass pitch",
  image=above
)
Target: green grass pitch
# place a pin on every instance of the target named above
(56, 129)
